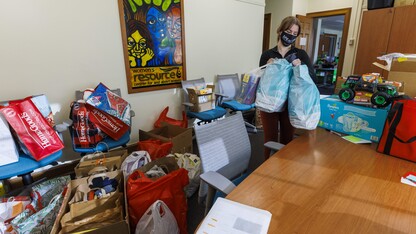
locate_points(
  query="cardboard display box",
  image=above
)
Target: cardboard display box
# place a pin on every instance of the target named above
(403, 70)
(202, 101)
(360, 121)
(398, 3)
(181, 138)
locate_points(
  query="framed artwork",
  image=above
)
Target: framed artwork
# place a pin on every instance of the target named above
(153, 43)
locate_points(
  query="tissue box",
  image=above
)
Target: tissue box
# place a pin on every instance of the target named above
(360, 121)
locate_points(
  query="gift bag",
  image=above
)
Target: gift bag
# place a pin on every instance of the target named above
(399, 133)
(84, 133)
(158, 219)
(33, 131)
(107, 101)
(8, 150)
(273, 87)
(155, 148)
(163, 118)
(9, 209)
(249, 83)
(143, 192)
(43, 220)
(110, 125)
(303, 100)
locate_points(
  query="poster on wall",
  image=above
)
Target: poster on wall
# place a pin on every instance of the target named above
(153, 43)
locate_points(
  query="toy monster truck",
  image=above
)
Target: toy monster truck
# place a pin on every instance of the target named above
(355, 89)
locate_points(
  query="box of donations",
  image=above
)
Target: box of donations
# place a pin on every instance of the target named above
(360, 121)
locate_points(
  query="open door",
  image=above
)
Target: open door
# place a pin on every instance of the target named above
(305, 40)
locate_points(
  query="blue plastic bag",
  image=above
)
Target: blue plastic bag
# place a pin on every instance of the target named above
(273, 88)
(304, 100)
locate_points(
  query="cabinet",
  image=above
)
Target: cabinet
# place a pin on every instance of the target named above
(325, 76)
(385, 31)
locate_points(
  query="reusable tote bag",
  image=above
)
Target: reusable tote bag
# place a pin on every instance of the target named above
(399, 133)
(304, 102)
(272, 90)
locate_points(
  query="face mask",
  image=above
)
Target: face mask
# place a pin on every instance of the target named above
(287, 39)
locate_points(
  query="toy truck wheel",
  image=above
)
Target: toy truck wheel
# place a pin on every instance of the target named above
(346, 94)
(380, 99)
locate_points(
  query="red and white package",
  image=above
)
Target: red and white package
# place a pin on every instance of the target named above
(110, 125)
(84, 133)
(32, 129)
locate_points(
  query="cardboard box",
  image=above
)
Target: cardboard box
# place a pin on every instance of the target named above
(363, 122)
(181, 138)
(202, 101)
(404, 71)
(398, 3)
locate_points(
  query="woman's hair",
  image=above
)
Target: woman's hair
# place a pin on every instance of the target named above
(287, 23)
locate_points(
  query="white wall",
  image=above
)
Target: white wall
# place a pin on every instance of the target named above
(356, 5)
(279, 10)
(56, 47)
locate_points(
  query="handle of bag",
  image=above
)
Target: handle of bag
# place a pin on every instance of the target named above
(394, 116)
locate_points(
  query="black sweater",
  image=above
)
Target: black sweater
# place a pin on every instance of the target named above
(299, 53)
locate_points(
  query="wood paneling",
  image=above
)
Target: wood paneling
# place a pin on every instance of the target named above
(403, 31)
(373, 40)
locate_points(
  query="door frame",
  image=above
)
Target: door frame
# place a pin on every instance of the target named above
(347, 16)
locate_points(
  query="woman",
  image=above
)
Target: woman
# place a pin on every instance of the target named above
(287, 33)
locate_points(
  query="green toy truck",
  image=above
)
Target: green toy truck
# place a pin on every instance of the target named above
(356, 90)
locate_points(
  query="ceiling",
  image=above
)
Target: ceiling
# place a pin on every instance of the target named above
(333, 22)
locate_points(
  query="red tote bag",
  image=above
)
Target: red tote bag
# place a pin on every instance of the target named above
(142, 192)
(32, 129)
(399, 134)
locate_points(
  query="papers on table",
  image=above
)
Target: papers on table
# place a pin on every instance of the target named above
(409, 178)
(227, 217)
(356, 140)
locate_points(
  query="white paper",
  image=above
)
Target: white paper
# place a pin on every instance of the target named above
(229, 217)
(302, 41)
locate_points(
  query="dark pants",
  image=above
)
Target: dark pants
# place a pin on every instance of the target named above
(271, 123)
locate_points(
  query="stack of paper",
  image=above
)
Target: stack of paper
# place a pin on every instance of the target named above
(232, 217)
(409, 178)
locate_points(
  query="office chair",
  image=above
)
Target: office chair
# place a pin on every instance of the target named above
(204, 116)
(225, 151)
(107, 143)
(229, 85)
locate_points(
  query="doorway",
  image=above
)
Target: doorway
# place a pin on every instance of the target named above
(330, 31)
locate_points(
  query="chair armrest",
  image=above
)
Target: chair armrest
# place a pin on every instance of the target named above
(218, 181)
(275, 146)
(188, 104)
(221, 95)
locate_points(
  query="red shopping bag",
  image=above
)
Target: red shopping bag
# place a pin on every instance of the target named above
(399, 133)
(84, 133)
(110, 125)
(32, 129)
(155, 148)
(142, 192)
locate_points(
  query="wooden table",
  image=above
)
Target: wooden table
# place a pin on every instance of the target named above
(321, 183)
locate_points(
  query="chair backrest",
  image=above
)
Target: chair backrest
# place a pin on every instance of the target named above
(224, 146)
(229, 85)
(191, 84)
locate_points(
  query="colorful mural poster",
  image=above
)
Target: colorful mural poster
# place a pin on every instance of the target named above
(153, 43)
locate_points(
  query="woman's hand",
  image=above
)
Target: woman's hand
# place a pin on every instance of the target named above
(296, 62)
(271, 60)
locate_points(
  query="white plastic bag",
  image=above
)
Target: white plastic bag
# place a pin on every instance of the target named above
(134, 161)
(8, 149)
(304, 102)
(158, 219)
(273, 88)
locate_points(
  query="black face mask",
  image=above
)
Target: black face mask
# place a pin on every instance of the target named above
(287, 39)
